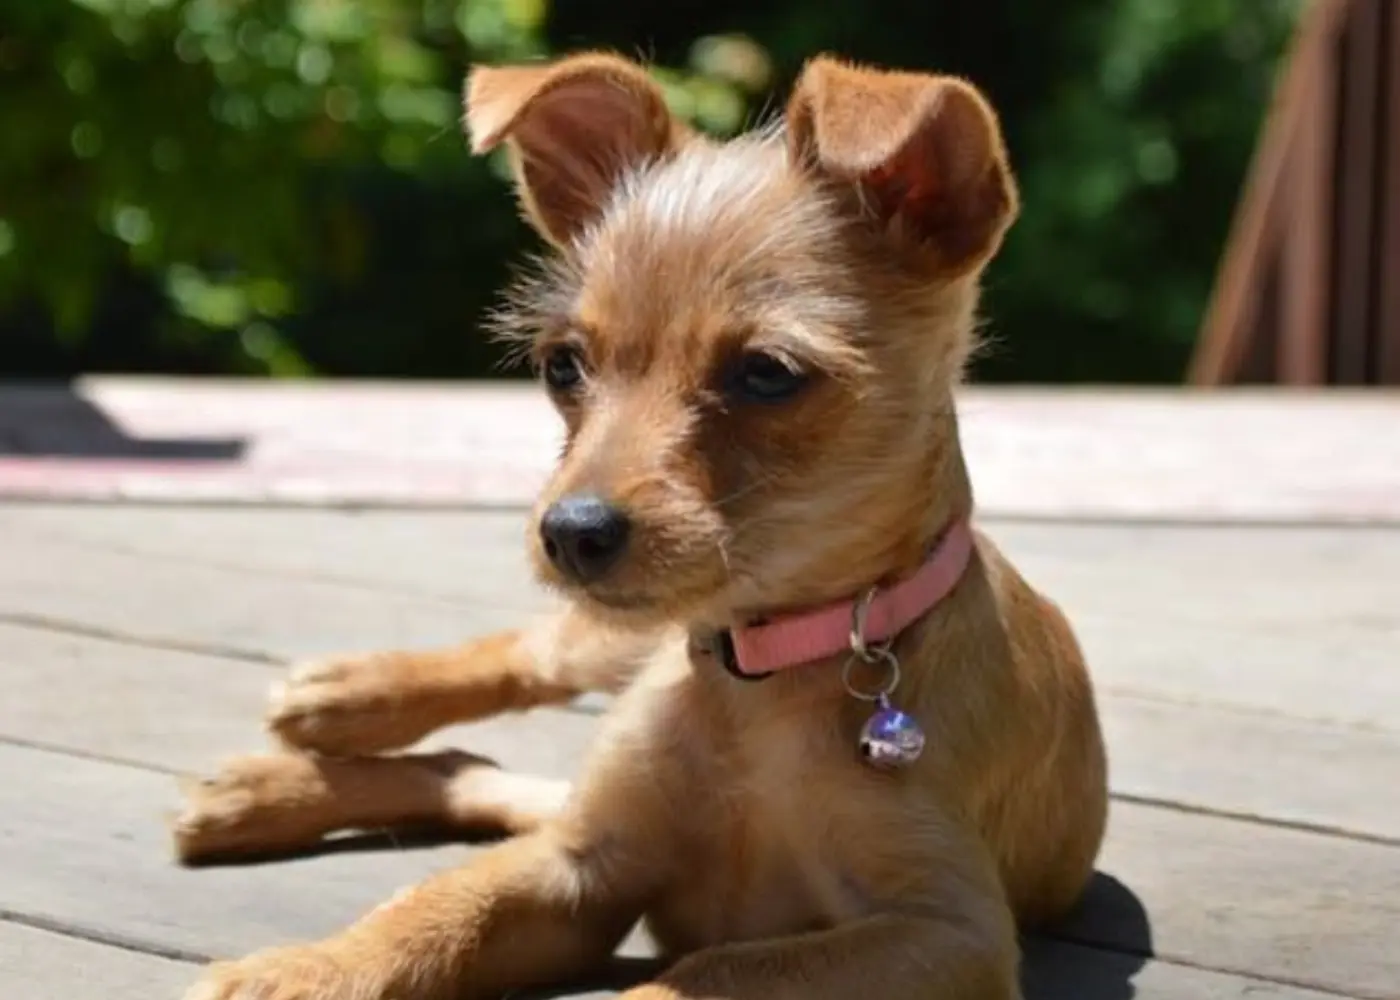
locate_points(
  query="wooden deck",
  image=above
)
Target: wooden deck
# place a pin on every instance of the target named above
(1242, 618)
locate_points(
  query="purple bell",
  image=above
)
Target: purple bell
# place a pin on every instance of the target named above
(891, 739)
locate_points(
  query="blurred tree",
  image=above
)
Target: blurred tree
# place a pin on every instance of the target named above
(280, 186)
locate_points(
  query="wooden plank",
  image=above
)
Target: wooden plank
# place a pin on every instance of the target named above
(1388, 318)
(1222, 343)
(1205, 892)
(235, 609)
(1034, 451)
(1061, 971)
(1234, 305)
(46, 965)
(1201, 757)
(42, 965)
(1247, 898)
(1356, 190)
(1298, 622)
(1258, 361)
(422, 553)
(1303, 329)
(71, 826)
(184, 712)
(39, 964)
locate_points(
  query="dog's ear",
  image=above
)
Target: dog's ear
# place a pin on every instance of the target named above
(574, 128)
(926, 153)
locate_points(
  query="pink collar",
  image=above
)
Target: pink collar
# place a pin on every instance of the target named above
(754, 651)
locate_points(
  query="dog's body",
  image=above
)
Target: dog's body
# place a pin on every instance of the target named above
(754, 346)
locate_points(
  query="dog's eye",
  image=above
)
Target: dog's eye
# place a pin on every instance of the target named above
(764, 378)
(563, 368)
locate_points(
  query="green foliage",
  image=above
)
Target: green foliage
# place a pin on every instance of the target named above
(222, 148)
(1130, 171)
(280, 186)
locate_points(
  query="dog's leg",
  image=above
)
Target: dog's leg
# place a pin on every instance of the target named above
(530, 911)
(533, 910)
(371, 703)
(954, 956)
(285, 802)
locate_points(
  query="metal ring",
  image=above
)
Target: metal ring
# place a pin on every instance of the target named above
(860, 611)
(878, 655)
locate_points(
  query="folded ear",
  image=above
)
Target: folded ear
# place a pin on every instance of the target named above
(925, 151)
(574, 129)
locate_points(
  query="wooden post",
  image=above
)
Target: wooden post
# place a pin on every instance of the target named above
(1388, 210)
(1358, 180)
(1307, 242)
(1308, 290)
(1234, 306)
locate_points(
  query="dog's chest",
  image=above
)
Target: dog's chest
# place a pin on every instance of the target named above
(771, 863)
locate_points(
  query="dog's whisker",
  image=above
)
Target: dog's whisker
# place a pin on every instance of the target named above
(752, 486)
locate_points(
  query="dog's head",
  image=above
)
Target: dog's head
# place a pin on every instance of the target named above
(753, 344)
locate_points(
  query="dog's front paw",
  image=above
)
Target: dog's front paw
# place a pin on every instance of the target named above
(275, 802)
(350, 706)
(297, 973)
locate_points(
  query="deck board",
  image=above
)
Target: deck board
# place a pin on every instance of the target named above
(1060, 971)
(1063, 452)
(38, 964)
(183, 712)
(43, 964)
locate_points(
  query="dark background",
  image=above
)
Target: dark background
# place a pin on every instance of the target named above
(280, 187)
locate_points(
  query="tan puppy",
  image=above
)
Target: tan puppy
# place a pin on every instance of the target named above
(755, 347)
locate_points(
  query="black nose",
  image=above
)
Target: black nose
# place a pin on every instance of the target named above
(584, 535)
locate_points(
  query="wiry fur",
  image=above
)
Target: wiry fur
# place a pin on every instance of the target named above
(734, 817)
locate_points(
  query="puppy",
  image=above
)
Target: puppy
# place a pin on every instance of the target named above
(853, 750)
